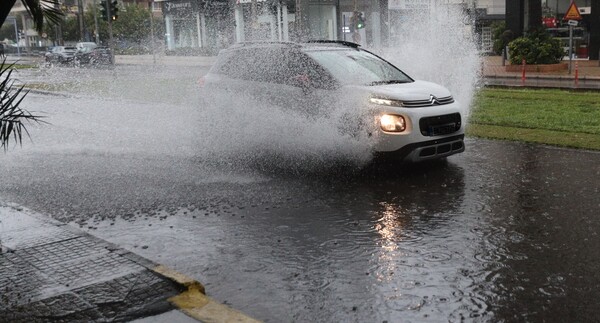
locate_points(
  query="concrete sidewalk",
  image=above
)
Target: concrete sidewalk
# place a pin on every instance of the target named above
(587, 69)
(53, 272)
(585, 74)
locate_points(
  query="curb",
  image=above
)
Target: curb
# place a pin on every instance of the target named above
(189, 295)
(196, 304)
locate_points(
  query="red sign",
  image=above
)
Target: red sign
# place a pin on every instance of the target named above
(550, 22)
(572, 12)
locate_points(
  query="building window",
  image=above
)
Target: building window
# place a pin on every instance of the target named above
(156, 6)
(487, 45)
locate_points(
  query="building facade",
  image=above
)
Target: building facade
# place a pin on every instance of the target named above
(205, 26)
(586, 33)
(209, 25)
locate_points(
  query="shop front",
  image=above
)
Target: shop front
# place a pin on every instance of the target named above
(264, 20)
(323, 19)
(196, 27)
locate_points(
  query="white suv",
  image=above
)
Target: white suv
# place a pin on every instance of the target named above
(407, 119)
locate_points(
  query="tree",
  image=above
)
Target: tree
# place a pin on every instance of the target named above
(12, 117)
(498, 36)
(134, 27)
(37, 9)
(70, 29)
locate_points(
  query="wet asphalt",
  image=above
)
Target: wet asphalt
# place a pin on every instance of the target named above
(503, 232)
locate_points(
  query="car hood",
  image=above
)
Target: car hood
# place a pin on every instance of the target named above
(417, 90)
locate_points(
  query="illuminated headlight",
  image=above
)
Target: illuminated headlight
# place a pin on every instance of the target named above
(388, 102)
(392, 123)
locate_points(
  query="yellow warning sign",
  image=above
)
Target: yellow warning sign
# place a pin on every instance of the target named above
(572, 13)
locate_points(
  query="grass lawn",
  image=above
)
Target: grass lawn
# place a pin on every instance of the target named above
(555, 117)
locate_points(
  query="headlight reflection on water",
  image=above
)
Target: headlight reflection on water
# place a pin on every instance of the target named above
(388, 226)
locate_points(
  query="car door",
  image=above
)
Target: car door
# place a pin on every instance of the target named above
(272, 77)
(314, 88)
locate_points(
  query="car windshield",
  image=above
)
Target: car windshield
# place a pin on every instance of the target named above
(85, 49)
(357, 67)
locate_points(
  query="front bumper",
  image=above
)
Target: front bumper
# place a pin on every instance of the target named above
(426, 150)
(431, 133)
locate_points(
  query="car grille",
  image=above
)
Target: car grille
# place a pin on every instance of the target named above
(440, 125)
(441, 149)
(429, 102)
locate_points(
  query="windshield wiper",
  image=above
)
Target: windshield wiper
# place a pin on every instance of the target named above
(389, 82)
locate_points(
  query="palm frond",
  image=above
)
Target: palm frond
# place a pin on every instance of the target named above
(40, 9)
(12, 117)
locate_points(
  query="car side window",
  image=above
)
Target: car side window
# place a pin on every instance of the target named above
(300, 64)
(254, 64)
(231, 64)
(273, 65)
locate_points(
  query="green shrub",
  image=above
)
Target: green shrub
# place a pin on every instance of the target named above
(500, 35)
(536, 48)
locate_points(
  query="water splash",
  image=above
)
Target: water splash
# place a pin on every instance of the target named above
(438, 46)
(238, 129)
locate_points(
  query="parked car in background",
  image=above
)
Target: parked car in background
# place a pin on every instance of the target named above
(408, 120)
(94, 57)
(60, 55)
(85, 46)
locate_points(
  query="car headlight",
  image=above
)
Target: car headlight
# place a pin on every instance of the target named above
(392, 123)
(388, 102)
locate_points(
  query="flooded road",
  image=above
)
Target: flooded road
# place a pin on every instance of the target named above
(503, 232)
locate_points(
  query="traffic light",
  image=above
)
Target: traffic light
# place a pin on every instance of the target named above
(360, 21)
(357, 21)
(114, 11)
(104, 9)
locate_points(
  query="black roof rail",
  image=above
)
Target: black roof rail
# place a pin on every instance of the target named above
(340, 42)
(264, 42)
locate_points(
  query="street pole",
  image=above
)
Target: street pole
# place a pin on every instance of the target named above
(570, 47)
(24, 30)
(96, 23)
(254, 18)
(14, 20)
(81, 24)
(109, 15)
(58, 40)
(152, 37)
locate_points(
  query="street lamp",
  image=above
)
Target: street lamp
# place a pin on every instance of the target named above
(14, 20)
